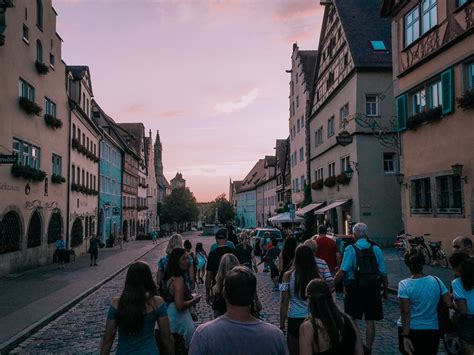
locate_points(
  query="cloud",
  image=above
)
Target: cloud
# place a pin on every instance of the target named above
(135, 108)
(239, 104)
(291, 10)
(172, 113)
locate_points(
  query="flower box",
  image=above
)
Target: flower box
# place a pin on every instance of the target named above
(27, 172)
(52, 121)
(74, 187)
(317, 185)
(30, 107)
(330, 181)
(342, 179)
(41, 68)
(425, 116)
(466, 101)
(75, 143)
(57, 179)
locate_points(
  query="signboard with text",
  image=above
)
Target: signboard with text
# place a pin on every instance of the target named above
(8, 159)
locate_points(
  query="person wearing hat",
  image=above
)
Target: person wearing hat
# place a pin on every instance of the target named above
(214, 260)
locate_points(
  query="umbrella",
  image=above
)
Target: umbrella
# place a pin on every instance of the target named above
(285, 218)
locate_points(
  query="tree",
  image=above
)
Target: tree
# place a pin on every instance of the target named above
(225, 210)
(179, 207)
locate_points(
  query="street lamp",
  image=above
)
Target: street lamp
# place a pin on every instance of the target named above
(349, 172)
(457, 171)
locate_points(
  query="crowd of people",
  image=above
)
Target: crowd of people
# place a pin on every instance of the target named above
(157, 316)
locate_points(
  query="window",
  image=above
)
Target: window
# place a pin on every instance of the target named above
(26, 34)
(319, 136)
(371, 105)
(73, 174)
(87, 179)
(412, 26)
(51, 60)
(78, 176)
(421, 195)
(296, 78)
(39, 14)
(331, 127)
(293, 105)
(449, 194)
(343, 113)
(378, 45)
(297, 99)
(332, 169)
(87, 107)
(345, 163)
(346, 59)
(302, 121)
(50, 107)
(462, 2)
(302, 182)
(39, 51)
(73, 131)
(389, 166)
(28, 155)
(330, 80)
(296, 185)
(436, 95)
(83, 180)
(298, 125)
(470, 76)
(429, 15)
(319, 174)
(35, 157)
(26, 90)
(83, 139)
(301, 154)
(419, 101)
(57, 165)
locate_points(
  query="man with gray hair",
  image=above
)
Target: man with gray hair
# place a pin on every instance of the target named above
(364, 273)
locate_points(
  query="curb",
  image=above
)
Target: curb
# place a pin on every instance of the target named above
(13, 342)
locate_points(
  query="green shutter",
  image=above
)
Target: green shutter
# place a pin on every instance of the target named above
(447, 87)
(402, 113)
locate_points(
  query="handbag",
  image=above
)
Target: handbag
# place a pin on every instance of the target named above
(444, 322)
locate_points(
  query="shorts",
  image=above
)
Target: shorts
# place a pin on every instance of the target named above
(294, 326)
(425, 342)
(363, 302)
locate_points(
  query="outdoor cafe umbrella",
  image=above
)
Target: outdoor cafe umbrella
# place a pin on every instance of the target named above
(285, 218)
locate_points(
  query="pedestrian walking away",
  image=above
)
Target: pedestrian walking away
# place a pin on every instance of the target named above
(323, 267)
(294, 307)
(271, 259)
(327, 249)
(179, 299)
(418, 326)
(237, 332)
(94, 249)
(364, 273)
(60, 252)
(285, 259)
(228, 261)
(154, 237)
(201, 262)
(214, 260)
(327, 330)
(135, 314)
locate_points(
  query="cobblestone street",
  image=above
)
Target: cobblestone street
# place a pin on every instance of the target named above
(80, 329)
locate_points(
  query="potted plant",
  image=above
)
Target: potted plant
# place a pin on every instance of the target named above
(466, 101)
(57, 179)
(343, 179)
(317, 185)
(74, 187)
(41, 68)
(27, 172)
(330, 181)
(52, 121)
(30, 107)
(425, 116)
(75, 143)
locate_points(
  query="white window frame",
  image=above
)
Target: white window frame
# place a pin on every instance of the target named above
(389, 158)
(57, 164)
(26, 90)
(372, 107)
(331, 126)
(450, 208)
(332, 169)
(436, 94)
(413, 23)
(343, 113)
(50, 107)
(429, 15)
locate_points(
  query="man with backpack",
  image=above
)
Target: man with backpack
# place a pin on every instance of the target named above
(364, 273)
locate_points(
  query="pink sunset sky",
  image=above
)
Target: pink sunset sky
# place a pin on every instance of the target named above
(209, 75)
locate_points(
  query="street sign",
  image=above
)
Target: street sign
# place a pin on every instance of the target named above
(8, 159)
(292, 211)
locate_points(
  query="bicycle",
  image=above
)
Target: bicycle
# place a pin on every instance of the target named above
(401, 243)
(432, 252)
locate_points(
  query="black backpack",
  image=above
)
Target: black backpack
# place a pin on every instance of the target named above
(367, 270)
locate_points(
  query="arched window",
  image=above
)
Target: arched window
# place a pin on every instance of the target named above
(55, 228)
(39, 51)
(34, 231)
(77, 233)
(10, 233)
(39, 14)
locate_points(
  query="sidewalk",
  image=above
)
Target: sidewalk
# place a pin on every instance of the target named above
(32, 296)
(397, 270)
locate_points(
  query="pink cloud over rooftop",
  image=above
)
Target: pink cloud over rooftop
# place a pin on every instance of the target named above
(210, 75)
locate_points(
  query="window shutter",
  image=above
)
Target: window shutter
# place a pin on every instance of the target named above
(447, 87)
(402, 113)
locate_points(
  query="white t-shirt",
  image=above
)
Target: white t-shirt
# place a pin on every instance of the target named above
(460, 293)
(424, 294)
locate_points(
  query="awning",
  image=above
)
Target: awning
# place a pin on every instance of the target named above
(308, 208)
(331, 206)
(284, 218)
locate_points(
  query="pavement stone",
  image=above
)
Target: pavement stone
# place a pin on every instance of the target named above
(81, 328)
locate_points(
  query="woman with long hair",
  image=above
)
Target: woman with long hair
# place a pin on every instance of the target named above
(201, 256)
(179, 299)
(228, 261)
(286, 256)
(176, 241)
(293, 305)
(327, 330)
(135, 313)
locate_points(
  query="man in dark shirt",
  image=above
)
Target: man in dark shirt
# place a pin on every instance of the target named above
(271, 259)
(214, 260)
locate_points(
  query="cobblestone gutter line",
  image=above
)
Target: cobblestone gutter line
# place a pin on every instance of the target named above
(11, 343)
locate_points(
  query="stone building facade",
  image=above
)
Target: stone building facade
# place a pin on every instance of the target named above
(34, 125)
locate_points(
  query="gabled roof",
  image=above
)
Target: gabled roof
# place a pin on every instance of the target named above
(107, 124)
(78, 72)
(281, 153)
(137, 134)
(254, 177)
(270, 160)
(308, 62)
(361, 22)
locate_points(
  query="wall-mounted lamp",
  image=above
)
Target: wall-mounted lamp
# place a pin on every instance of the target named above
(457, 171)
(400, 179)
(349, 171)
